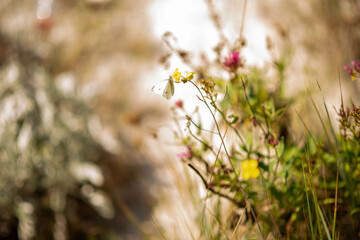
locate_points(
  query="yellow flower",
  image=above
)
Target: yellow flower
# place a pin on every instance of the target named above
(355, 77)
(250, 169)
(189, 75)
(176, 75)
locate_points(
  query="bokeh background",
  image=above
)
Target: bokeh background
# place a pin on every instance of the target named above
(86, 149)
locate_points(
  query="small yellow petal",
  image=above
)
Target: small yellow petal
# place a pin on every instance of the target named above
(176, 75)
(253, 163)
(255, 173)
(245, 174)
(245, 164)
(189, 75)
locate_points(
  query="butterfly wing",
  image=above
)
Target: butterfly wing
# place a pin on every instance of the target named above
(164, 88)
(169, 90)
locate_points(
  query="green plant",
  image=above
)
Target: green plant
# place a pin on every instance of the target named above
(304, 189)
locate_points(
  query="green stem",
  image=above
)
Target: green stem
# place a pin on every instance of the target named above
(229, 158)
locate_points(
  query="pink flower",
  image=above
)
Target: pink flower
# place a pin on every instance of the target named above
(183, 155)
(354, 70)
(274, 142)
(232, 62)
(179, 103)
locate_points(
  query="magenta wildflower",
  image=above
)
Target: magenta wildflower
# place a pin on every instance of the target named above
(232, 62)
(354, 70)
(183, 155)
(179, 103)
(274, 143)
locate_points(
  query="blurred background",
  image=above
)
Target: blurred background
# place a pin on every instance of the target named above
(86, 148)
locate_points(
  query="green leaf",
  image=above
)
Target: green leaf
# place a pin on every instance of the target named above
(280, 112)
(280, 148)
(235, 159)
(355, 210)
(270, 109)
(249, 139)
(233, 118)
(263, 166)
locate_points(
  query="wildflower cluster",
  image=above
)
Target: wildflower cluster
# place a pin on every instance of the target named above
(272, 139)
(177, 76)
(353, 70)
(207, 85)
(356, 115)
(184, 155)
(349, 122)
(251, 135)
(250, 169)
(233, 62)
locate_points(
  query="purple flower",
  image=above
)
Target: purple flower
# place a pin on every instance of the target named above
(232, 62)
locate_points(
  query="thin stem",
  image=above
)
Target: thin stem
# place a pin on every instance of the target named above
(200, 128)
(227, 122)
(211, 175)
(216, 20)
(271, 212)
(277, 164)
(210, 188)
(248, 102)
(229, 158)
(242, 22)
(216, 159)
(202, 142)
(336, 197)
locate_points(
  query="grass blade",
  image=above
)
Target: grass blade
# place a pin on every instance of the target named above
(221, 229)
(308, 205)
(324, 223)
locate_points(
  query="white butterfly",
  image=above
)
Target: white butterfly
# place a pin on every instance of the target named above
(165, 88)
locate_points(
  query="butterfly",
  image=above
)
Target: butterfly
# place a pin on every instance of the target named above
(165, 88)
